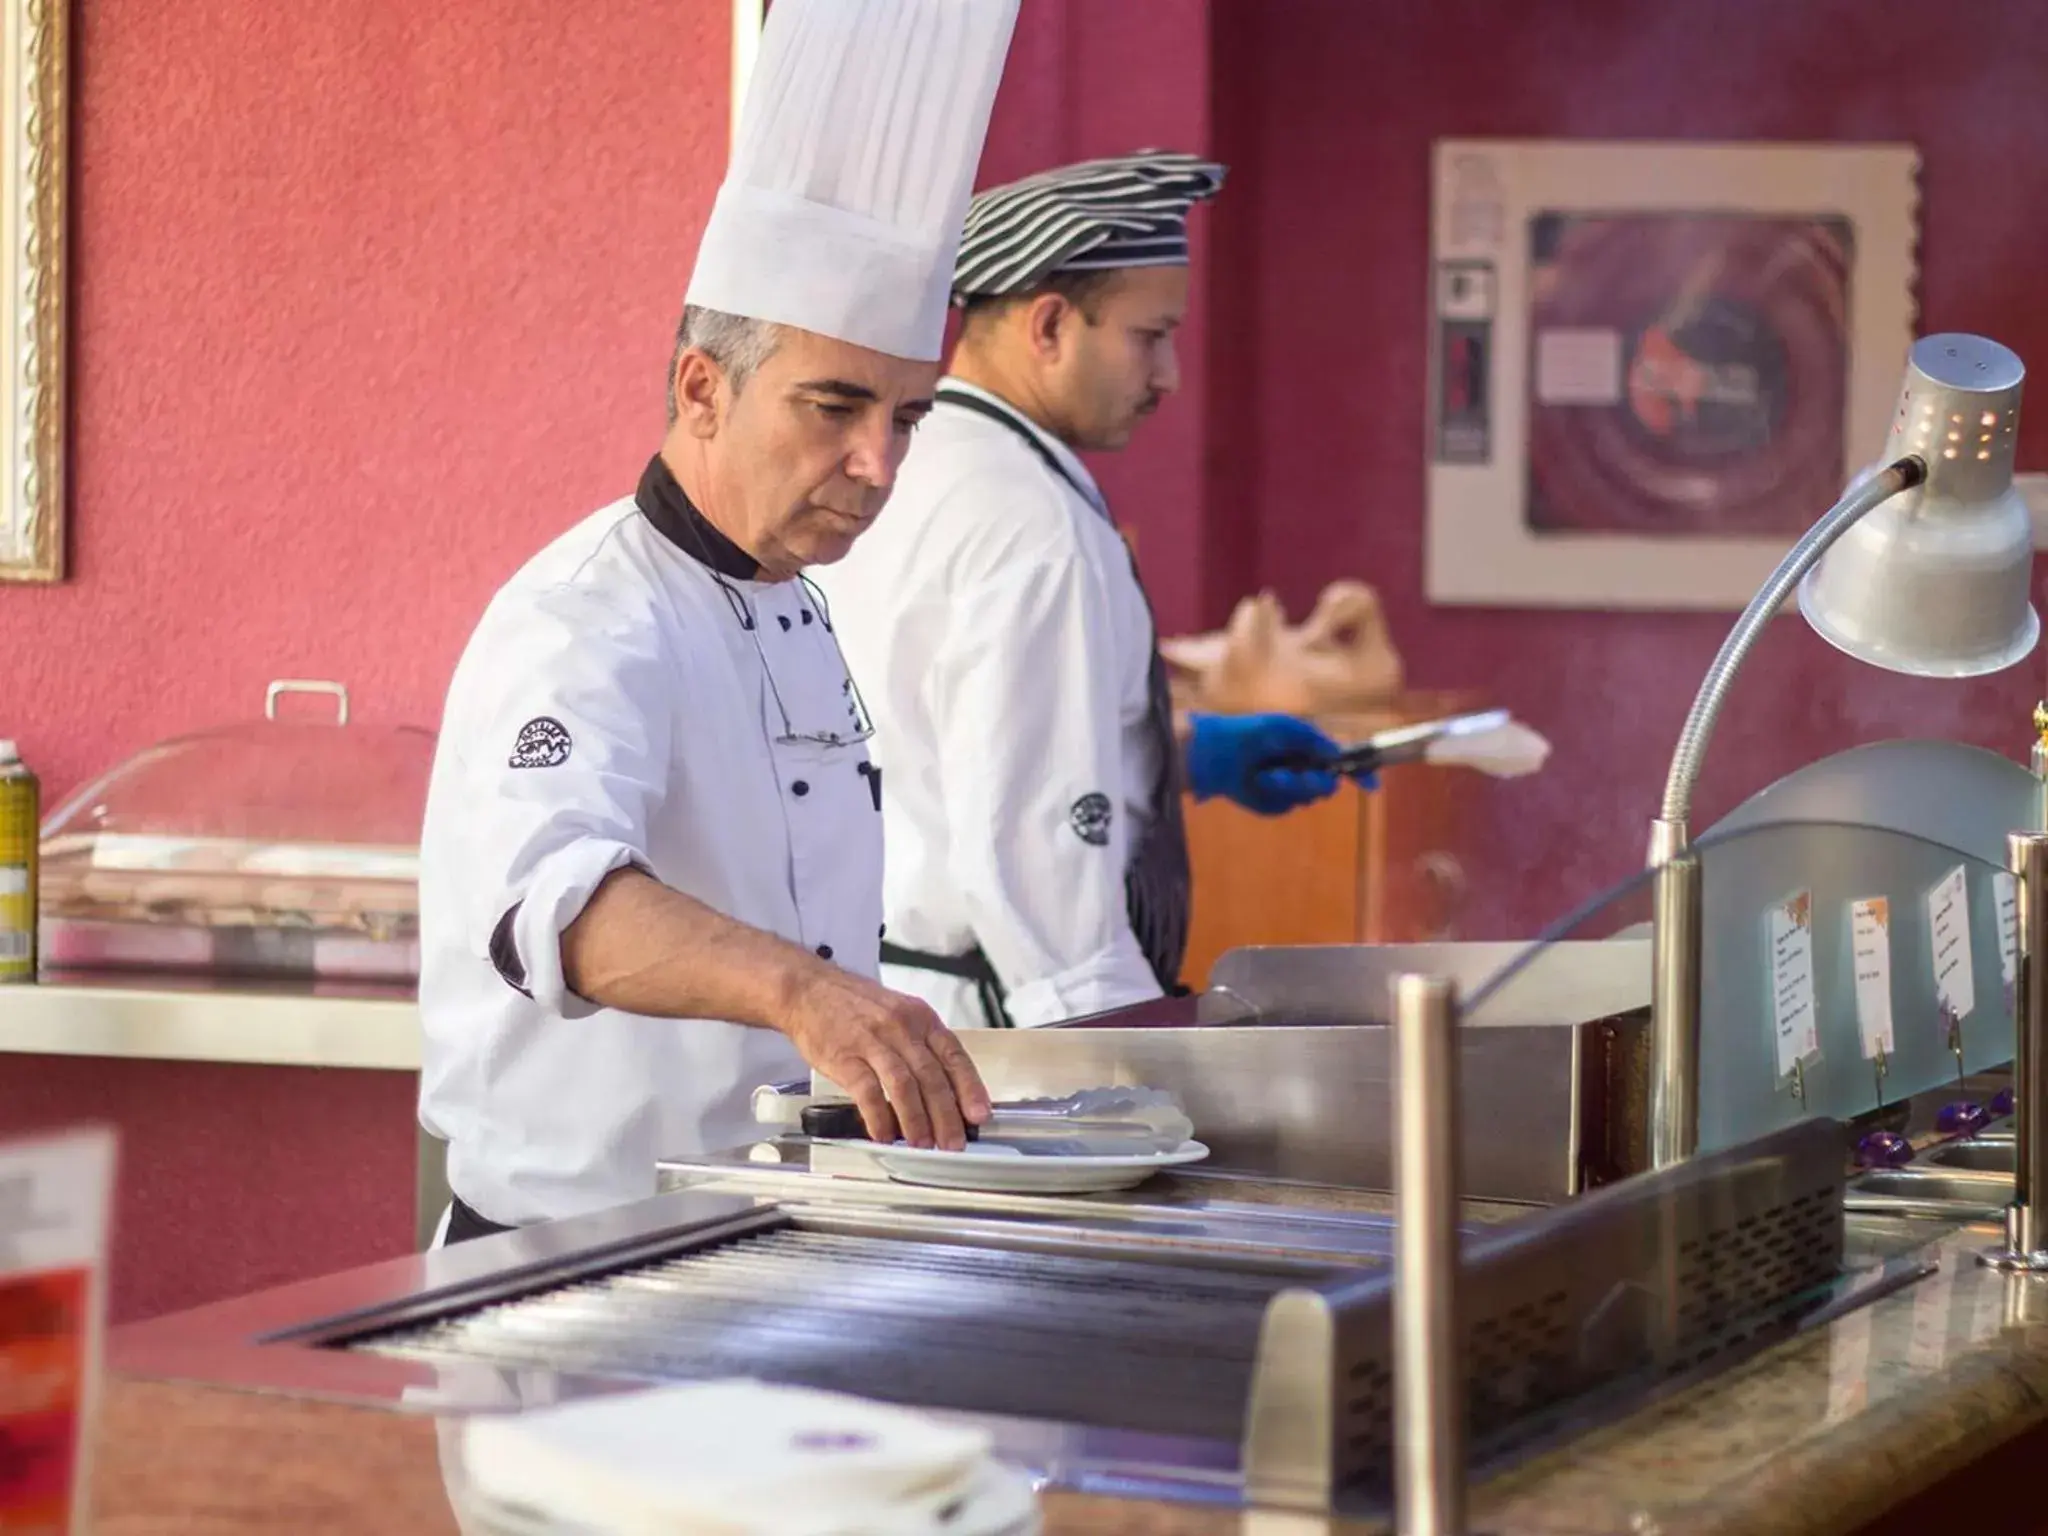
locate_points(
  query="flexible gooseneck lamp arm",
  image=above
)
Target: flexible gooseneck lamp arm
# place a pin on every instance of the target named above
(1675, 892)
(1802, 557)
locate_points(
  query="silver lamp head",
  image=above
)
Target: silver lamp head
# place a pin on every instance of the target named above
(1935, 581)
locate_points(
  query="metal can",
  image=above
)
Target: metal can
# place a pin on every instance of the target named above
(20, 820)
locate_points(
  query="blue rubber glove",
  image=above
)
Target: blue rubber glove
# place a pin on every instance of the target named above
(1225, 753)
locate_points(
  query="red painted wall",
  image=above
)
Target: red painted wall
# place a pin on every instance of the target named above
(1125, 77)
(1328, 108)
(370, 298)
(373, 297)
(232, 1179)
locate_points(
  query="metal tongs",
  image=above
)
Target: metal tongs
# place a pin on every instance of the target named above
(1095, 1122)
(1403, 744)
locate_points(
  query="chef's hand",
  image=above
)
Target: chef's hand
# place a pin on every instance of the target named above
(903, 1067)
(1225, 754)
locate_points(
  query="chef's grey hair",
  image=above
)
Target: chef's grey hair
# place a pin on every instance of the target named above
(736, 343)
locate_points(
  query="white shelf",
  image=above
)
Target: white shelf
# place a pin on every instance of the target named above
(251, 1026)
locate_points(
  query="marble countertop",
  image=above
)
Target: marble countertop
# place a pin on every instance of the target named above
(177, 1460)
(1820, 1435)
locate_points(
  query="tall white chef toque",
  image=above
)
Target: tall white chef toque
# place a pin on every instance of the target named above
(842, 210)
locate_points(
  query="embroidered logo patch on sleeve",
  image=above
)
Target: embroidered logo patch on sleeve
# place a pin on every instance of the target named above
(1090, 819)
(542, 743)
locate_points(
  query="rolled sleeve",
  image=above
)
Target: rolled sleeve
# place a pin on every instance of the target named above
(533, 926)
(565, 727)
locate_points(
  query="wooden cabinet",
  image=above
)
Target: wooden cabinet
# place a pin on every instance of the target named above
(1380, 867)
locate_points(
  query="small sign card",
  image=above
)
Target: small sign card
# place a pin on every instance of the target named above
(1792, 1005)
(1948, 921)
(1870, 944)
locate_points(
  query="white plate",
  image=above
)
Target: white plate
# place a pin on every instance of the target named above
(1006, 1170)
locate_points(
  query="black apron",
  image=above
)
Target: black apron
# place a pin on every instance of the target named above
(464, 1224)
(1157, 883)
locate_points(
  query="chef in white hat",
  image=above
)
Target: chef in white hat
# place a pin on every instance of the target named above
(652, 861)
(1038, 866)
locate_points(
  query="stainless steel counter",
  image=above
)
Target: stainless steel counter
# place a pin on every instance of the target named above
(785, 1168)
(1177, 1340)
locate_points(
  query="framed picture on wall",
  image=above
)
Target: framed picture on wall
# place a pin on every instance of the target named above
(1654, 365)
(35, 88)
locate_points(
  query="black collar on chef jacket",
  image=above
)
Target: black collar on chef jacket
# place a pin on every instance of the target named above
(676, 518)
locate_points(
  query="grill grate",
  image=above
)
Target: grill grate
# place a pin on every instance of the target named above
(1161, 1347)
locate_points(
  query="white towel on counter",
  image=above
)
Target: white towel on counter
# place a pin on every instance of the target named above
(740, 1458)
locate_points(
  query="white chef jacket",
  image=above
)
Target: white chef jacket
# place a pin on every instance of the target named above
(614, 708)
(995, 625)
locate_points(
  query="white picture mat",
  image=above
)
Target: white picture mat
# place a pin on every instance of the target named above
(1480, 548)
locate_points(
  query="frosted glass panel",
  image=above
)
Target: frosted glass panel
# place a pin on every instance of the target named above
(1963, 797)
(1934, 899)
(1782, 1029)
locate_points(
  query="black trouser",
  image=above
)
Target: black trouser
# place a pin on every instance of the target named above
(463, 1224)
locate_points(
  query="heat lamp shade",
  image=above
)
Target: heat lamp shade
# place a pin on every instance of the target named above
(1935, 581)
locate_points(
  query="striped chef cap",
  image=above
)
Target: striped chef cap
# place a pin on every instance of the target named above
(1130, 211)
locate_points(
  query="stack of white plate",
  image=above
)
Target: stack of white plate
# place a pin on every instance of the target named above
(737, 1458)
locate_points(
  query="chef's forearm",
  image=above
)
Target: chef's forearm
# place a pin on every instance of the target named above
(643, 948)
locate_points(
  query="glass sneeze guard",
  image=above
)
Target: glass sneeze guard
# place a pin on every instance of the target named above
(1844, 966)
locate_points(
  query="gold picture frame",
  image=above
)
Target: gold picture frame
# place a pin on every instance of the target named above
(34, 169)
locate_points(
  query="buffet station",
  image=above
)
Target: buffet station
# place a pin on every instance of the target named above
(1714, 1207)
(228, 958)
(1175, 1275)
